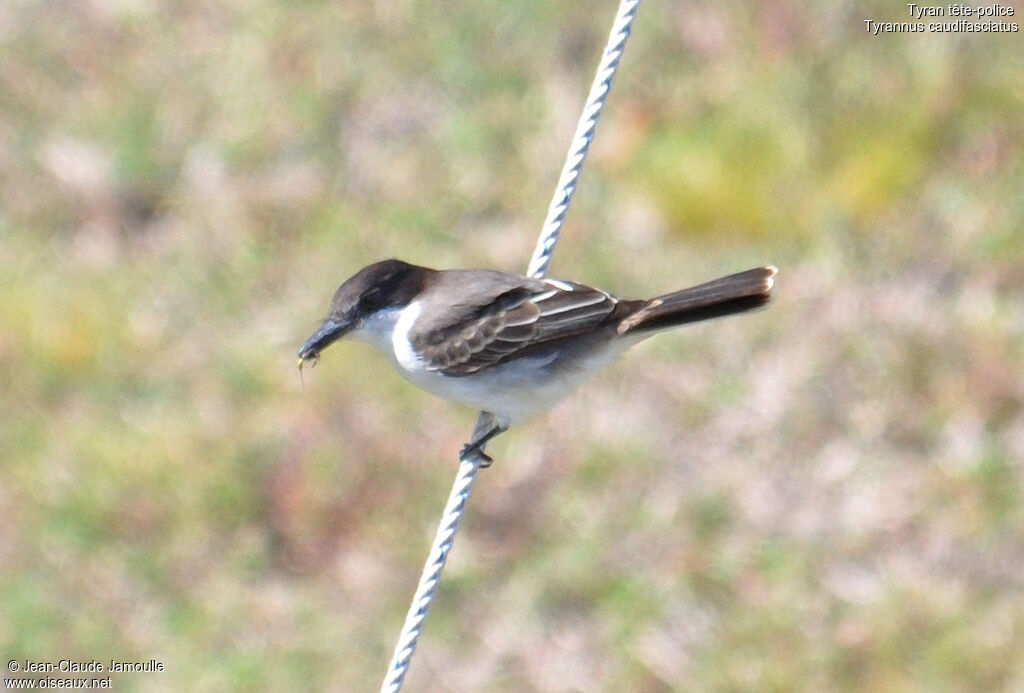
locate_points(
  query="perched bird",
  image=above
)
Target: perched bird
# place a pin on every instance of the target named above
(505, 344)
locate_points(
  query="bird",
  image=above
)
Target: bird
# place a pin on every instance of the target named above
(509, 345)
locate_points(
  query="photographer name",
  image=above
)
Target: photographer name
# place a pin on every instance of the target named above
(91, 667)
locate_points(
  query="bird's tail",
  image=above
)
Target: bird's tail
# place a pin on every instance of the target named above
(733, 294)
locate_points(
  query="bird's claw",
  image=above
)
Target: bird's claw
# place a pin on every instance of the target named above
(470, 450)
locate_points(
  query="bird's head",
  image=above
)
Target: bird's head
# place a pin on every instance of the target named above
(384, 284)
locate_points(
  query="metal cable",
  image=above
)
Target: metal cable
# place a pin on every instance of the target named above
(431, 575)
(567, 183)
(569, 180)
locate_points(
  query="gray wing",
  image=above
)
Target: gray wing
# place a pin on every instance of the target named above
(510, 317)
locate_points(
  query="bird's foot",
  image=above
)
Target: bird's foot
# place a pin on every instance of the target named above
(470, 450)
(487, 426)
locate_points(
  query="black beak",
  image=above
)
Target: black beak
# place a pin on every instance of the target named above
(331, 331)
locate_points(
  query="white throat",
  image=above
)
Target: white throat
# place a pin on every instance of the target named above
(400, 344)
(388, 330)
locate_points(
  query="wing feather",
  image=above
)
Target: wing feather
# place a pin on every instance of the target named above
(511, 317)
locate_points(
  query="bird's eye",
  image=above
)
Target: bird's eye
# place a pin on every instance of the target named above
(370, 300)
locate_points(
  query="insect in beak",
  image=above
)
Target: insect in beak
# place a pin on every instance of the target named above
(315, 358)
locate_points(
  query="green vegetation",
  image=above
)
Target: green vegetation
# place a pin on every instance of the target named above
(826, 495)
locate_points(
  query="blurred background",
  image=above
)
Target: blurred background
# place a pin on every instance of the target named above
(825, 495)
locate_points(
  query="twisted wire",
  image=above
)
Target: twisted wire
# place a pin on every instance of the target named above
(567, 182)
(431, 576)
